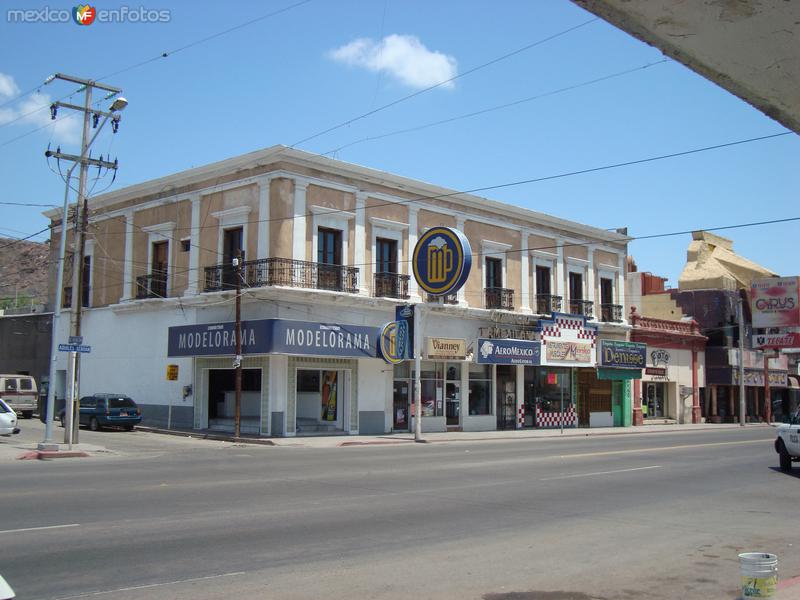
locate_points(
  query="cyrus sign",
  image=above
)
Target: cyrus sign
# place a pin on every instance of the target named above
(774, 302)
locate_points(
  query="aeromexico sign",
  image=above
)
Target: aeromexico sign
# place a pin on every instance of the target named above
(280, 336)
(508, 352)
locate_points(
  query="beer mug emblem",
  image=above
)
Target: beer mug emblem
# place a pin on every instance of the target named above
(440, 260)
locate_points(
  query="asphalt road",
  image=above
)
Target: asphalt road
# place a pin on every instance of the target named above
(622, 517)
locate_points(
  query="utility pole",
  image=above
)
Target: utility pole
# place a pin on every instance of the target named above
(237, 363)
(83, 160)
(742, 403)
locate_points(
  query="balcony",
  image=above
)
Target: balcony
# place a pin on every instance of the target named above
(448, 299)
(582, 307)
(283, 271)
(391, 285)
(547, 304)
(151, 286)
(502, 298)
(611, 313)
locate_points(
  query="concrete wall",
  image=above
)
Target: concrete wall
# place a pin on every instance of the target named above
(25, 345)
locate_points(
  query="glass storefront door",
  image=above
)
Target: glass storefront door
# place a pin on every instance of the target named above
(654, 399)
(402, 399)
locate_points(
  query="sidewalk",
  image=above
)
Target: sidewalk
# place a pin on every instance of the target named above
(334, 441)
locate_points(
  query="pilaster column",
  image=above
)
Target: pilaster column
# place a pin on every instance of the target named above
(299, 223)
(193, 286)
(621, 288)
(360, 241)
(413, 235)
(559, 291)
(525, 273)
(127, 281)
(262, 249)
(591, 291)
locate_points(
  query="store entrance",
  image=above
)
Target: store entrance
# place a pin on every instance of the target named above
(653, 404)
(321, 401)
(594, 400)
(506, 397)
(222, 400)
(401, 403)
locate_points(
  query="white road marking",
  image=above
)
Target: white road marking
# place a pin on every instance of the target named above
(41, 528)
(600, 473)
(148, 586)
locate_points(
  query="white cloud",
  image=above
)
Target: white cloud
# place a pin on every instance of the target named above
(404, 57)
(33, 110)
(8, 87)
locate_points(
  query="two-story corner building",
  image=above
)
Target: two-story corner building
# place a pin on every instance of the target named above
(326, 248)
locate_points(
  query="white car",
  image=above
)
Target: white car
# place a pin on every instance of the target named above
(788, 443)
(8, 419)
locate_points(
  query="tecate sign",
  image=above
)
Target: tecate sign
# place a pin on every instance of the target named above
(777, 340)
(774, 302)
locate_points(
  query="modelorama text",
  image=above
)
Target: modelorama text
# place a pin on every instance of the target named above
(124, 14)
(294, 337)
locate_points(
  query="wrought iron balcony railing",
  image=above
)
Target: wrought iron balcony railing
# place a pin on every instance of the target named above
(582, 307)
(151, 286)
(391, 285)
(547, 303)
(283, 271)
(611, 313)
(500, 298)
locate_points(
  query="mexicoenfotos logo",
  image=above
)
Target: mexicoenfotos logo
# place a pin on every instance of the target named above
(84, 14)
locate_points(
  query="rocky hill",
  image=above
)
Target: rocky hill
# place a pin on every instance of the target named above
(23, 273)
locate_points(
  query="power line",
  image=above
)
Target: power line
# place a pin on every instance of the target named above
(205, 39)
(493, 108)
(25, 238)
(27, 204)
(444, 82)
(420, 199)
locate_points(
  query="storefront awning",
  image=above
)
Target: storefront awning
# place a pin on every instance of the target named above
(608, 373)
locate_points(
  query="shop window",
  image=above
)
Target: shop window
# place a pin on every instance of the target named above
(480, 389)
(550, 386)
(307, 381)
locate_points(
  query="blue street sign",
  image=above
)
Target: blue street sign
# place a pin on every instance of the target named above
(74, 348)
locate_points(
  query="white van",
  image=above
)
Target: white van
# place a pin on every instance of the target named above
(20, 393)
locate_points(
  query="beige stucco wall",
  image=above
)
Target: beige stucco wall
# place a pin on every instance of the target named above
(108, 261)
(392, 212)
(477, 234)
(337, 200)
(679, 372)
(659, 306)
(180, 273)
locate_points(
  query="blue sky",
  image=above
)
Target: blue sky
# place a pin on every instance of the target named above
(288, 77)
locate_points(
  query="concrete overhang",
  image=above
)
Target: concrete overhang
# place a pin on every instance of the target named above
(749, 47)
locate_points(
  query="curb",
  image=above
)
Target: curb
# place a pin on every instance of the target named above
(48, 454)
(220, 437)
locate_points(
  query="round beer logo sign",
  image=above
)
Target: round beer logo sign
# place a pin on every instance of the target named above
(442, 261)
(394, 342)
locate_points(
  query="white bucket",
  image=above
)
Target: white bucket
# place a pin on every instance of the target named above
(759, 575)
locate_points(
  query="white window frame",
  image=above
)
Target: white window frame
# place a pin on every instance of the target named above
(162, 232)
(543, 259)
(577, 265)
(331, 218)
(390, 230)
(608, 272)
(231, 218)
(490, 249)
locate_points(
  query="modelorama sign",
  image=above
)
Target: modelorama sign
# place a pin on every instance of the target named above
(622, 355)
(509, 352)
(774, 302)
(275, 336)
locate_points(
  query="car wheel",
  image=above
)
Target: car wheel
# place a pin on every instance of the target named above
(128, 427)
(94, 425)
(785, 459)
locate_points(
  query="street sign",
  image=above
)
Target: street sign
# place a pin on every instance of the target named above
(74, 348)
(77, 340)
(777, 340)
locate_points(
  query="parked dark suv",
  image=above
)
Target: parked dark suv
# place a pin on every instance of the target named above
(107, 410)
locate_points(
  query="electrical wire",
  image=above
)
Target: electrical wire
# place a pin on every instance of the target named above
(16, 241)
(444, 82)
(492, 108)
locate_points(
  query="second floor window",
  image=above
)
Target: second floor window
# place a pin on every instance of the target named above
(606, 291)
(543, 280)
(386, 256)
(575, 286)
(329, 246)
(86, 291)
(494, 272)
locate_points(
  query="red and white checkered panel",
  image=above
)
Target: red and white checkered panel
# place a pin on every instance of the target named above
(549, 420)
(521, 417)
